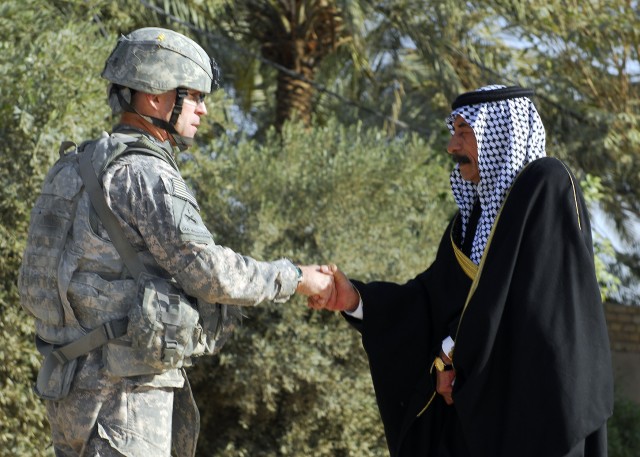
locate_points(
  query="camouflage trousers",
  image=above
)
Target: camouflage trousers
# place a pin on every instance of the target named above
(124, 419)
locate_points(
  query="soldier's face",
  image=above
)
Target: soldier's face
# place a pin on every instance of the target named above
(463, 148)
(192, 108)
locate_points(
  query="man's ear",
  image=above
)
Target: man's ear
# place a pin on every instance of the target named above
(152, 100)
(144, 102)
(141, 101)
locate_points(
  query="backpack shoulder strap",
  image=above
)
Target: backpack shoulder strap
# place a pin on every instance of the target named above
(118, 238)
(134, 143)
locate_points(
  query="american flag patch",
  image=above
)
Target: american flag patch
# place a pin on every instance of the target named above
(180, 190)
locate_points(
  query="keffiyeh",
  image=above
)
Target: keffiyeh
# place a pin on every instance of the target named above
(510, 134)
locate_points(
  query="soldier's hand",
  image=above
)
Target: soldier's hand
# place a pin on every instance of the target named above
(346, 297)
(318, 284)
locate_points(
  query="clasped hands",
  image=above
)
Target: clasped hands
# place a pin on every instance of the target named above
(326, 287)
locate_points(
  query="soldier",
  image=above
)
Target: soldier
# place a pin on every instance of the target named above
(113, 377)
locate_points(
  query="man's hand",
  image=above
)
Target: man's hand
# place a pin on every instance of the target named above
(346, 296)
(445, 380)
(317, 284)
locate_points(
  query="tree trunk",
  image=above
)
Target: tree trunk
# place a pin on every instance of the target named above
(293, 95)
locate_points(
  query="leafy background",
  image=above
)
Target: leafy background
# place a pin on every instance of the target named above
(325, 145)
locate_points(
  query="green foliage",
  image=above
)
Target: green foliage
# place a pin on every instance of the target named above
(51, 55)
(48, 93)
(624, 429)
(321, 189)
(293, 381)
(603, 248)
(585, 59)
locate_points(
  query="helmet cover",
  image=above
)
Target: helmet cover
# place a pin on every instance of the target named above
(155, 60)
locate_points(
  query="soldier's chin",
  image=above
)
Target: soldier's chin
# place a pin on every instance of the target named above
(190, 135)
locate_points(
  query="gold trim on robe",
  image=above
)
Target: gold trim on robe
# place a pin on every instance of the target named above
(467, 265)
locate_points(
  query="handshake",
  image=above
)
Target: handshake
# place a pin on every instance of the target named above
(326, 287)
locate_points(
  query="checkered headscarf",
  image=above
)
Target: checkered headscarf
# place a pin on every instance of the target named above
(509, 134)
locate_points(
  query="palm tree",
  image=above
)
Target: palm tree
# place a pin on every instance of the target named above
(278, 52)
(297, 35)
(292, 37)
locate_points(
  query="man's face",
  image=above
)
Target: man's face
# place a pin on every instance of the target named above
(192, 108)
(464, 150)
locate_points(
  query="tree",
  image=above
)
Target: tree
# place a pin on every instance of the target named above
(53, 93)
(49, 93)
(584, 58)
(293, 381)
(354, 187)
(292, 37)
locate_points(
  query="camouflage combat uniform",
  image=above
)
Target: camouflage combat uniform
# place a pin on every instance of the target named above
(135, 414)
(73, 280)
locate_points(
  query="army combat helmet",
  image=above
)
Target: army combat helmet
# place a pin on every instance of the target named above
(155, 60)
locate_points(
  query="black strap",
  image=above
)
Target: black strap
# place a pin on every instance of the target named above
(485, 96)
(170, 126)
(170, 317)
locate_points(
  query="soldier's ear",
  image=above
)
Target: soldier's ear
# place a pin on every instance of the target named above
(152, 100)
(160, 104)
(141, 101)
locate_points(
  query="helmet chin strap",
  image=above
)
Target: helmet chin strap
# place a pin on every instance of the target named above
(182, 142)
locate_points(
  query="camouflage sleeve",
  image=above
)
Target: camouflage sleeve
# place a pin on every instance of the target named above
(161, 215)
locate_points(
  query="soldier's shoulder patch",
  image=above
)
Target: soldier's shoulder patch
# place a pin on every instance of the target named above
(179, 189)
(191, 225)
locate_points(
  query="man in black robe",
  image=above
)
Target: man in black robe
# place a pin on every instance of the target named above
(500, 348)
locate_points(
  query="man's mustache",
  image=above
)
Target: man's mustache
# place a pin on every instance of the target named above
(459, 158)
